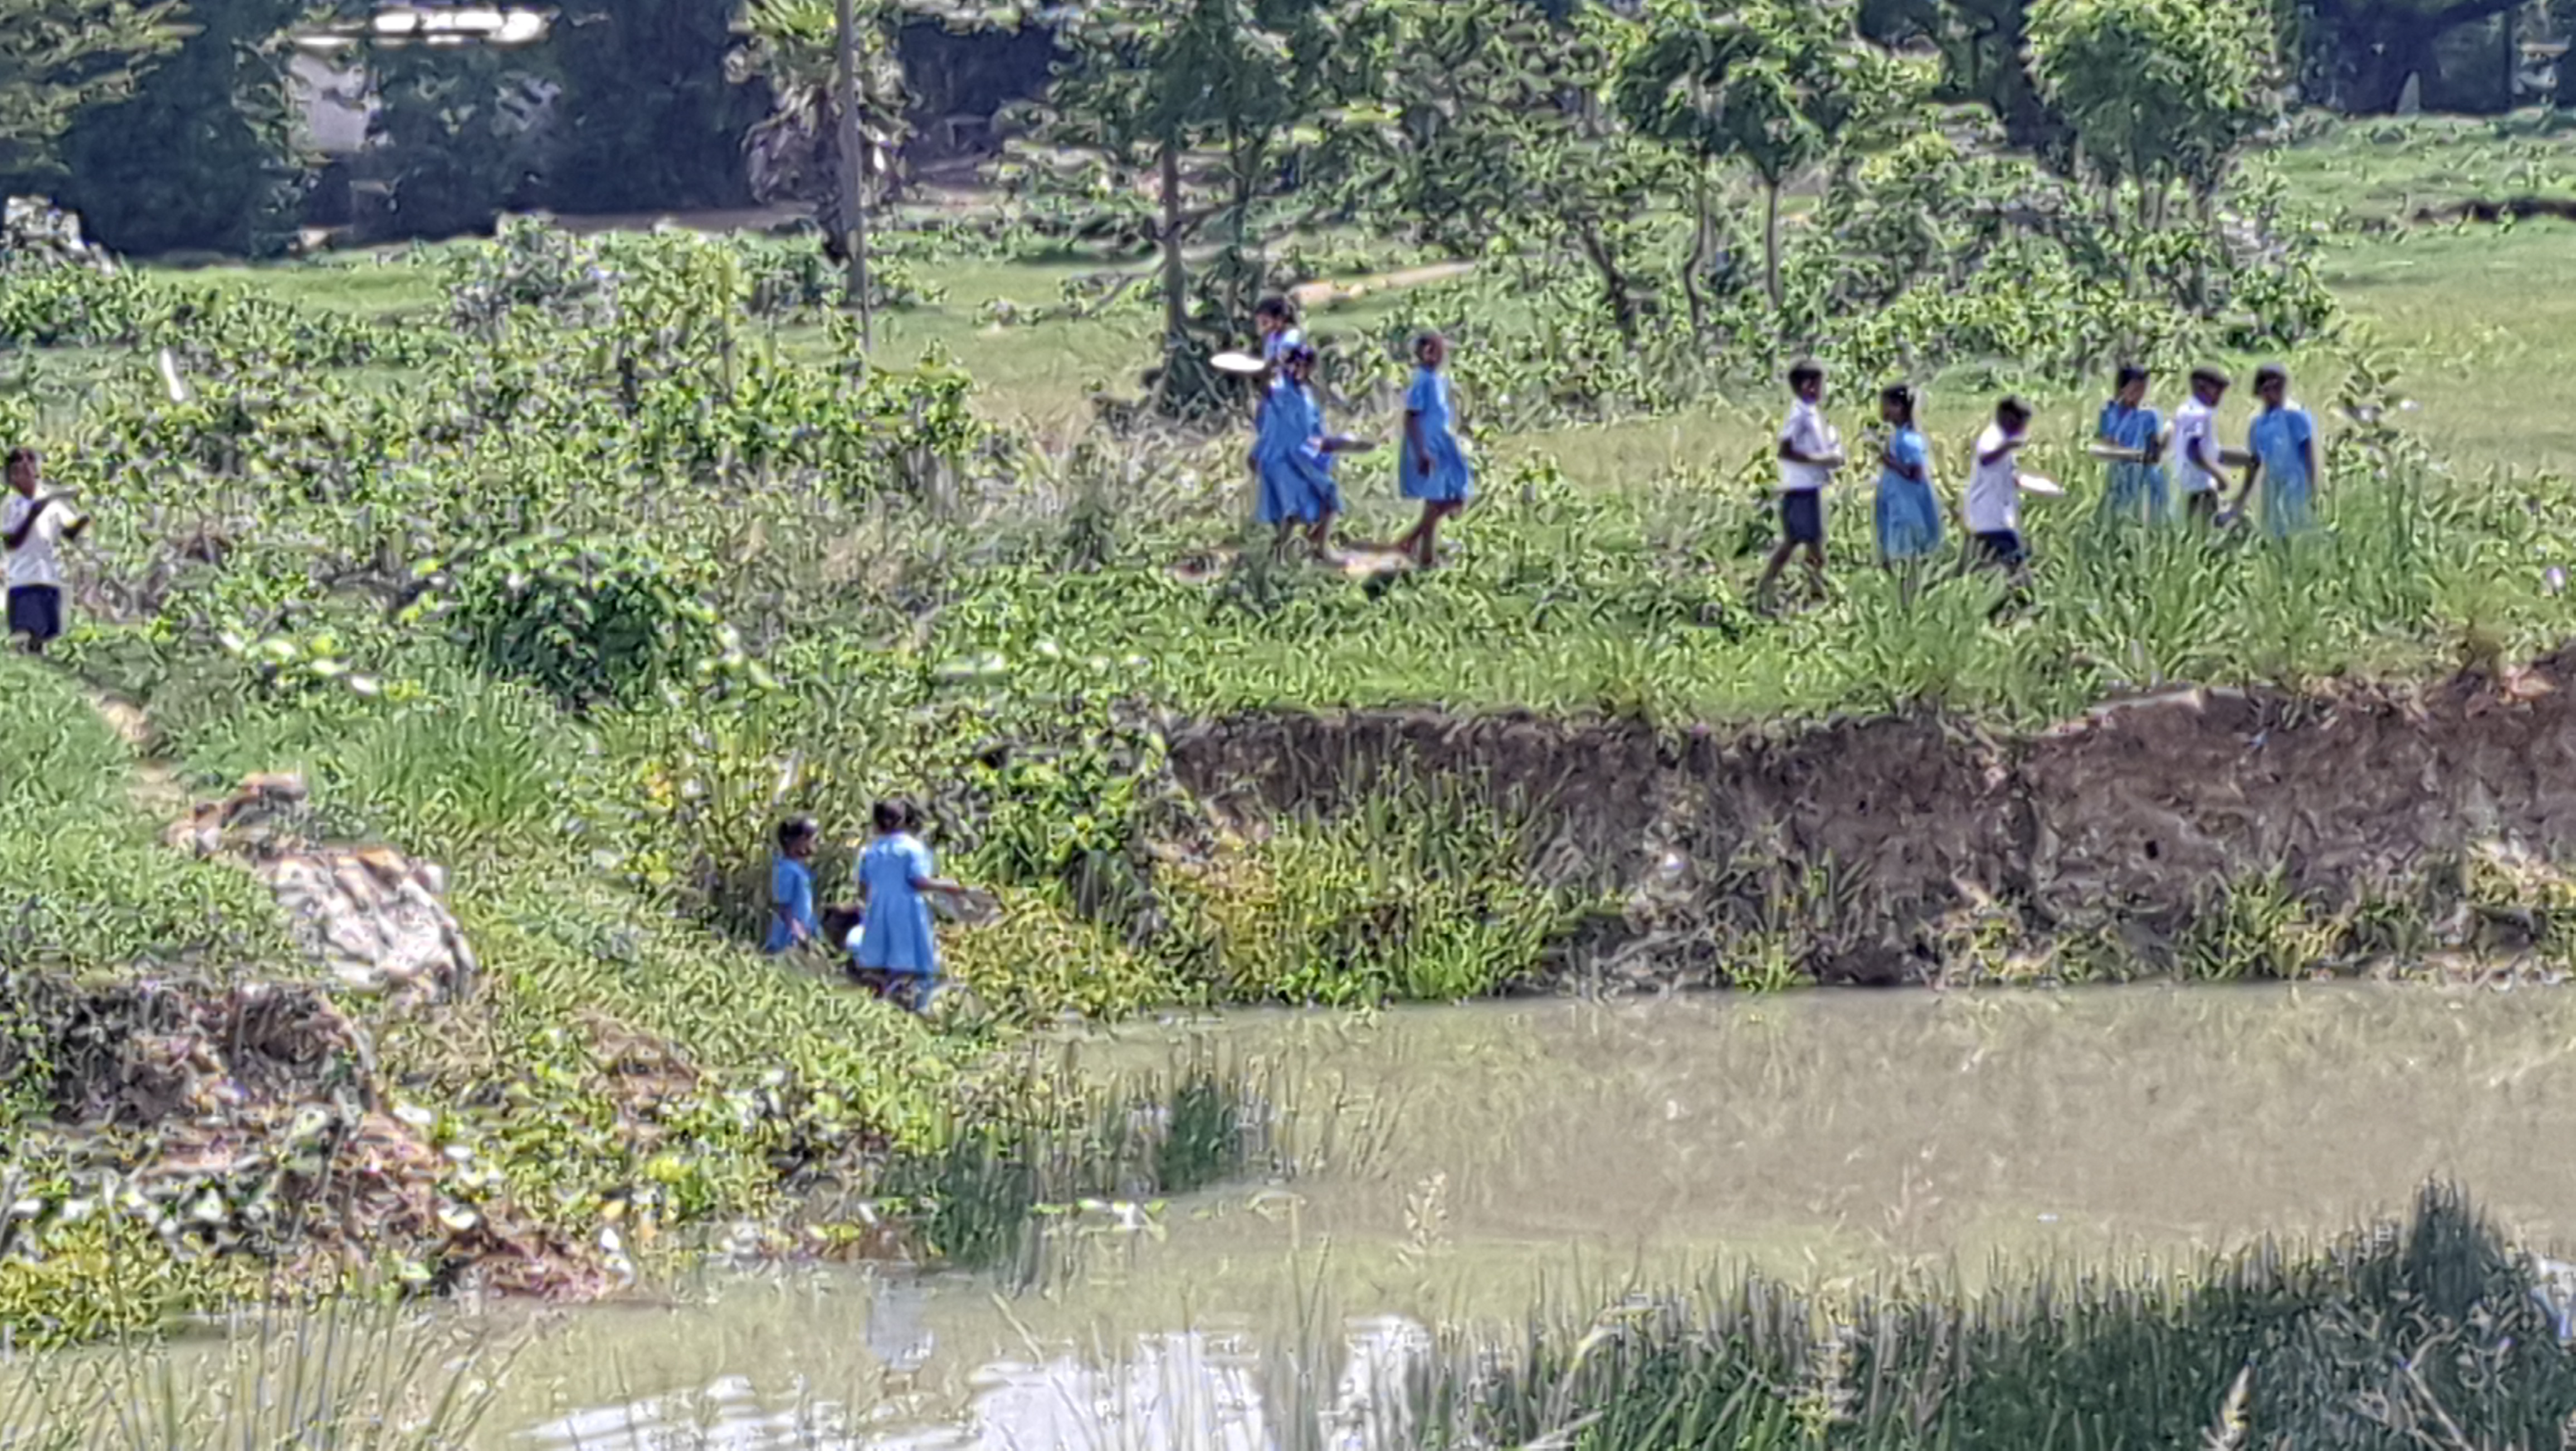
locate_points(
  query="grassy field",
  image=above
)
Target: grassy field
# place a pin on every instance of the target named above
(617, 594)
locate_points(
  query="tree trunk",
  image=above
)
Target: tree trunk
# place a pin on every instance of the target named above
(1176, 278)
(1703, 242)
(854, 202)
(1771, 239)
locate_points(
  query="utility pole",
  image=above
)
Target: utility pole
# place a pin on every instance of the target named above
(854, 197)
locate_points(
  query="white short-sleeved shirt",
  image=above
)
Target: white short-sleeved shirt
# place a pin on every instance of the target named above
(2195, 421)
(1994, 491)
(33, 563)
(1805, 431)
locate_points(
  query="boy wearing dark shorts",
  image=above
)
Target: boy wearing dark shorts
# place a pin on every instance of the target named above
(1994, 489)
(31, 524)
(1809, 453)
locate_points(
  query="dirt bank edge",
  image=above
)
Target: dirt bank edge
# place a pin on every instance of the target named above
(1921, 847)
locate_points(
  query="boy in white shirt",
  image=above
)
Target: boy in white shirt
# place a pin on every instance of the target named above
(2195, 442)
(30, 526)
(1994, 489)
(1809, 454)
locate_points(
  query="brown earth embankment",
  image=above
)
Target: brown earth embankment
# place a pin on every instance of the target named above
(1914, 847)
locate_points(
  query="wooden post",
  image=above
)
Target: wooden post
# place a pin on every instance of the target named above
(854, 200)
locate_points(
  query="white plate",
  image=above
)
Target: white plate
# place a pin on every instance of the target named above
(1239, 364)
(2112, 453)
(2034, 484)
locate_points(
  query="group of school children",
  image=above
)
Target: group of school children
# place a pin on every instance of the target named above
(1294, 459)
(890, 944)
(2280, 456)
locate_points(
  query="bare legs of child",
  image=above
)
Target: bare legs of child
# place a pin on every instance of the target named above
(1764, 594)
(1422, 542)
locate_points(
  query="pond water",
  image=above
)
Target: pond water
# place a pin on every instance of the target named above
(1494, 1157)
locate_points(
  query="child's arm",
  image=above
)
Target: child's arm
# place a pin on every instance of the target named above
(17, 538)
(2012, 444)
(2196, 453)
(1413, 436)
(2308, 456)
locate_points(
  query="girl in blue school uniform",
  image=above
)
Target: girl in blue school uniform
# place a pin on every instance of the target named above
(1295, 460)
(2283, 441)
(2127, 422)
(1909, 516)
(896, 880)
(1433, 466)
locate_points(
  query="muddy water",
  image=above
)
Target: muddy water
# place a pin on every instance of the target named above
(1490, 1157)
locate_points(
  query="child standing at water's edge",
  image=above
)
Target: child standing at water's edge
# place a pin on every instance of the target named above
(1908, 514)
(1809, 454)
(2283, 441)
(1433, 467)
(791, 886)
(895, 878)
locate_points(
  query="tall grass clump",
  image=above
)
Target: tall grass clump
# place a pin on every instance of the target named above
(2426, 1334)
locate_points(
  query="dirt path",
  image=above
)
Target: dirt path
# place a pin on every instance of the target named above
(1334, 294)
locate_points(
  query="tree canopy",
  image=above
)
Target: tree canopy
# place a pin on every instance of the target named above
(59, 57)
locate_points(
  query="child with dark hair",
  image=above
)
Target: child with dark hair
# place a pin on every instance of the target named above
(1433, 466)
(1994, 488)
(31, 524)
(791, 886)
(1809, 455)
(2283, 441)
(2127, 422)
(895, 876)
(1296, 461)
(2195, 442)
(1908, 512)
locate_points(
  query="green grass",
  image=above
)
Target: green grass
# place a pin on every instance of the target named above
(978, 606)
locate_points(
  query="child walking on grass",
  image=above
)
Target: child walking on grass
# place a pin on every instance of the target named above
(1809, 455)
(1993, 507)
(31, 524)
(2127, 422)
(2283, 441)
(1296, 461)
(895, 880)
(1909, 516)
(791, 887)
(1433, 466)
(2195, 442)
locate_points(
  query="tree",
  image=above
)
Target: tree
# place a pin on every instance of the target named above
(647, 117)
(1776, 84)
(1145, 83)
(202, 154)
(2159, 92)
(60, 57)
(1490, 131)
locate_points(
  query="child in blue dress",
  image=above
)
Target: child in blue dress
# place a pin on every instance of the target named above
(1296, 461)
(1433, 466)
(2127, 422)
(2283, 441)
(895, 875)
(791, 887)
(1909, 516)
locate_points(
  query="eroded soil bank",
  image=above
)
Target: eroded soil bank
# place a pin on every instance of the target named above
(2358, 827)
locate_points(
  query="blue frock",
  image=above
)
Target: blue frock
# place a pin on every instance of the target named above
(1450, 479)
(2134, 484)
(1909, 517)
(896, 936)
(791, 898)
(2279, 438)
(1296, 474)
